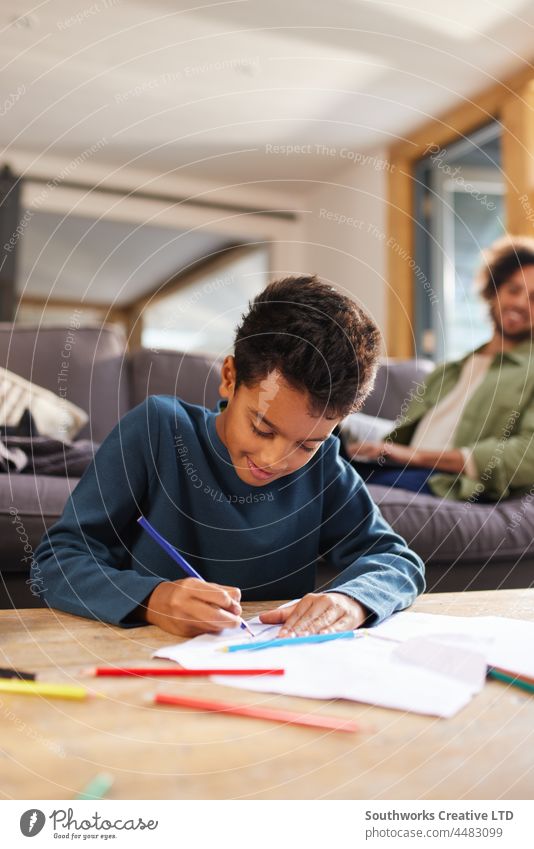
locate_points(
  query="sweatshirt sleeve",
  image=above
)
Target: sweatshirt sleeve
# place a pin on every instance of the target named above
(375, 564)
(83, 560)
(506, 461)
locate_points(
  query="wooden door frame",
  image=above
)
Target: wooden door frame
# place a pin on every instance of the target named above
(511, 102)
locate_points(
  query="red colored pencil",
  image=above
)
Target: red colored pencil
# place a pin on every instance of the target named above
(286, 716)
(176, 672)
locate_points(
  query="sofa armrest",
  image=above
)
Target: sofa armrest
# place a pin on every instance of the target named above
(396, 383)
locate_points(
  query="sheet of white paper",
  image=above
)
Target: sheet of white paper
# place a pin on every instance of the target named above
(407, 625)
(512, 646)
(505, 642)
(462, 664)
(205, 651)
(424, 663)
(361, 670)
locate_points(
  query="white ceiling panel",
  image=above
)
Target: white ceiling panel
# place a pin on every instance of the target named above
(206, 88)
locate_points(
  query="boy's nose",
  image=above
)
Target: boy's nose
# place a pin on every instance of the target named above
(274, 461)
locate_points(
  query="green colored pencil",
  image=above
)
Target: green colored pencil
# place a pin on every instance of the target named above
(514, 680)
(97, 788)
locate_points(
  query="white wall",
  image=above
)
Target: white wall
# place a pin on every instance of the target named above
(346, 232)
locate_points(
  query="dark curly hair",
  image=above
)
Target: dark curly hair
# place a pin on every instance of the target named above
(320, 341)
(502, 259)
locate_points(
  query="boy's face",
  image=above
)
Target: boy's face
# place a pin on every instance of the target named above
(267, 428)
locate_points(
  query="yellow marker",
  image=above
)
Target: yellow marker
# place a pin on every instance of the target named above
(38, 688)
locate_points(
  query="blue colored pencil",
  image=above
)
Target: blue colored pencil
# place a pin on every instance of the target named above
(290, 641)
(177, 557)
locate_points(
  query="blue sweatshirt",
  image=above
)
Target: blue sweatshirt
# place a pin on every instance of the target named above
(165, 460)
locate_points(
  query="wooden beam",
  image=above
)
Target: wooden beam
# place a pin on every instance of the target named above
(134, 328)
(400, 295)
(108, 315)
(457, 122)
(62, 303)
(517, 158)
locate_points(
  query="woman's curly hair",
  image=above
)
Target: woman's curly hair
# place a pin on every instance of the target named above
(502, 259)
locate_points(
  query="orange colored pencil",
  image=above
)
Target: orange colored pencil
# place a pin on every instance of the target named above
(333, 723)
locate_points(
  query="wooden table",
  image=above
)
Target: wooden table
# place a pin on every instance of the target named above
(49, 750)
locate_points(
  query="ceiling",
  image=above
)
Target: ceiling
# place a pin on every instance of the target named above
(210, 90)
(104, 261)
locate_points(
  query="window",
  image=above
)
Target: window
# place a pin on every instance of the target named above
(459, 211)
(204, 315)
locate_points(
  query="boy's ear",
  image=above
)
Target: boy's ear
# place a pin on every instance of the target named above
(228, 376)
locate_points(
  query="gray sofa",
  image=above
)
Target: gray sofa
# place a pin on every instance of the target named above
(464, 546)
(105, 382)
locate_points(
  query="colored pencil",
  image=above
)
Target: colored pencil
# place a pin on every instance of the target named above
(526, 684)
(286, 716)
(290, 641)
(97, 788)
(524, 678)
(16, 673)
(119, 672)
(177, 557)
(38, 688)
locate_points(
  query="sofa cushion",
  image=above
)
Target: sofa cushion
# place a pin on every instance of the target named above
(194, 378)
(85, 365)
(395, 385)
(28, 505)
(460, 533)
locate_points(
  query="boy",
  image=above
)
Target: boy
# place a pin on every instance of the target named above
(251, 496)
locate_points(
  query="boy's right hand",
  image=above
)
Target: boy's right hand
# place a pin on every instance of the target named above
(190, 607)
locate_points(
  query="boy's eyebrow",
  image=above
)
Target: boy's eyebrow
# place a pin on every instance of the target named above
(273, 427)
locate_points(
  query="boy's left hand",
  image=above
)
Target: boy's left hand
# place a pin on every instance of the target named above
(317, 613)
